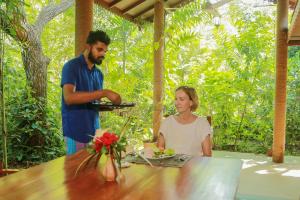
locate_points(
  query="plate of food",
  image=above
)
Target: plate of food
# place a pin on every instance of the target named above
(161, 157)
(160, 154)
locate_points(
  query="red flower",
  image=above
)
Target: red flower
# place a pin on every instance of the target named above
(107, 139)
(98, 145)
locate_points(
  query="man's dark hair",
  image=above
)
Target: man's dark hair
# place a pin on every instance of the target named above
(98, 36)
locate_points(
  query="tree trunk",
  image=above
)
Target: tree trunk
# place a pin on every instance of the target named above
(35, 64)
(29, 37)
(34, 61)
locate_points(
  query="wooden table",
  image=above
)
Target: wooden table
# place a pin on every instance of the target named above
(200, 178)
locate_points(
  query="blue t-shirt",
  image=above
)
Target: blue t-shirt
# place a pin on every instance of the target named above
(79, 122)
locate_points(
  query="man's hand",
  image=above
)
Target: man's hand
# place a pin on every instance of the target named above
(114, 97)
(72, 97)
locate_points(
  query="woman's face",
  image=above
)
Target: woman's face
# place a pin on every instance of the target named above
(182, 102)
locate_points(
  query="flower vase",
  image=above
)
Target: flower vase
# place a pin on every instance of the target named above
(120, 176)
(109, 170)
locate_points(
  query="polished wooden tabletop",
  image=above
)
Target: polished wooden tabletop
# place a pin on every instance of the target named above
(201, 178)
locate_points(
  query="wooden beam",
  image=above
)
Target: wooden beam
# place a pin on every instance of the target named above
(175, 5)
(144, 11)
(158, 82)
(294, 30)
(116, 11)
(3, 121)
(133, 6)
(112, 4)
(294, 43)
(292, 3)
(83, 23)
(180, 3)
(281, 80)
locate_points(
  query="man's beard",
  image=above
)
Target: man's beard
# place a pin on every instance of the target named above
(95, 60)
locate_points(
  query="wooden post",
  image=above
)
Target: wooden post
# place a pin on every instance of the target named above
(83, 23)
(158, 65)
(281, 79)
(3, 128)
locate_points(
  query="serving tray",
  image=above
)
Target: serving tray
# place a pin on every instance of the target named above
(108, 106)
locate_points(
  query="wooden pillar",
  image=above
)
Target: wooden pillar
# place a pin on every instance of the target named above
(83, 23)
(158, 65)
(3, 129)
(281, 79)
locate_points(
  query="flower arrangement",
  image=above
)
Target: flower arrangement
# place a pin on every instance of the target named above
(108, 143)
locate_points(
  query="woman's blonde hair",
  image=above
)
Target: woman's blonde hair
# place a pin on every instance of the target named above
(191, 92)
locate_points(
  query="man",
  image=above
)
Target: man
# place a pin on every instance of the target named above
(82, 82)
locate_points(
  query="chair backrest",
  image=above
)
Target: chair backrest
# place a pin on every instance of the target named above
(209, 120)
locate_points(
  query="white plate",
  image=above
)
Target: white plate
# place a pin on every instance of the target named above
(124, 164)
(161, 157)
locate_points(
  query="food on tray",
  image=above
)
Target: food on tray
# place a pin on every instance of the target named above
(169, 152)
(163, 153)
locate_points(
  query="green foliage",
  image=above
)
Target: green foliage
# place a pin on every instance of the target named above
(230, 65)
(293, 99)
(129, 74)
(11, 11)
(31, 140)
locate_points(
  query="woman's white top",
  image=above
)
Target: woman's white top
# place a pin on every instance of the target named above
(185, 138)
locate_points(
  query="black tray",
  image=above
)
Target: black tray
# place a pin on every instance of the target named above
(108, 106)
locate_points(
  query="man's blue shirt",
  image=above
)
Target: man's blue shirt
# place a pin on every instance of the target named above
(79, 122)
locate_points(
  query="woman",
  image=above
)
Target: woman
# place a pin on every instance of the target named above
(185, 132)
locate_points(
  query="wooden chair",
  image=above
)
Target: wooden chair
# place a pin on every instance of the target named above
(209, 119)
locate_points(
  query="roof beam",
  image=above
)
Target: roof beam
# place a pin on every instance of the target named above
(115, 10)
(144, 11)
(133, 6)
(294, 42)
(292, 3)
(113, 7)
(294, 30)
(175, 5)
(114, 3)
(180, 4)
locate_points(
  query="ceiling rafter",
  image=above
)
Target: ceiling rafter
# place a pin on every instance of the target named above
(294, 30)
(148, 8)
(141, 11)
(133, 6)
(115, 10)
(112, 4)
(136, 8)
